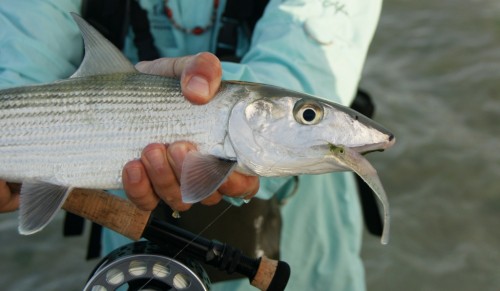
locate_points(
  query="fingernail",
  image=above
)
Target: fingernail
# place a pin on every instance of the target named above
(198, 86)
(245, 199)
(134, 175)
(156, 159)
(142, 66)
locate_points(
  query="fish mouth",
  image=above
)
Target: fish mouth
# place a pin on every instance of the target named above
(375, 147)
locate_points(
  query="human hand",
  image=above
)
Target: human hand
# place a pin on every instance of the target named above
(157, 174)
(9, 196)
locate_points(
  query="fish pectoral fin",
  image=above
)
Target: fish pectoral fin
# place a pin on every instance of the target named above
(39, 203)
(101, 56)
(202, 175)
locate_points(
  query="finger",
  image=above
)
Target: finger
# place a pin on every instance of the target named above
(176, 154)
(239, 185)
(8, 201)
(213, 199)
(168, 67)
(200, 74)
(162, 177)
(137, 186)
(14, 187)
(236, 185)
(201, 77)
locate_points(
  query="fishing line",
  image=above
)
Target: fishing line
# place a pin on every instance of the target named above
(204, 229)
(192, 240)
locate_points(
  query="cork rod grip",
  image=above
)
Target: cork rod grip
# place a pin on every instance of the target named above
(109, 211)
(271, 275)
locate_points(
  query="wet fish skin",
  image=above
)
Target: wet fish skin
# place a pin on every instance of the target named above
(80, 132)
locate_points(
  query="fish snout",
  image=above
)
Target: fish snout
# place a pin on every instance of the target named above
(380, 146)
(391, 140)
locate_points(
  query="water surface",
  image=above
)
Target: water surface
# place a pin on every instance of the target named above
(434, 67)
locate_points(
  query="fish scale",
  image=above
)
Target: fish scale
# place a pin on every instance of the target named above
(84, 121)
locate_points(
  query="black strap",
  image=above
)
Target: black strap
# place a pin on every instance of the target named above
(73, 225)
(109, 17)
(94, 245)
(113, 18)
(371, 214)
(238, 17)
(143, 39)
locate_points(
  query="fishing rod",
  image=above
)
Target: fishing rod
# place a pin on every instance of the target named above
(125, 218)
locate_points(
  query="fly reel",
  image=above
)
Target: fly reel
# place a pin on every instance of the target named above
(145, 266)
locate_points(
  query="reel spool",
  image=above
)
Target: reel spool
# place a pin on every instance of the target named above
(145, 266)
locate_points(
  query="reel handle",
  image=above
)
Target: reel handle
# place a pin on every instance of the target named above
(125, 218)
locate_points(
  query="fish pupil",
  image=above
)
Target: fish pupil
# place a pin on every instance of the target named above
(309, 115)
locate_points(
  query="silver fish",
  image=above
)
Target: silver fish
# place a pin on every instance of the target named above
(352, 160)
(81, 131)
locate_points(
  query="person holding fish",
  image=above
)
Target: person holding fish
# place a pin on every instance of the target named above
(312, 46)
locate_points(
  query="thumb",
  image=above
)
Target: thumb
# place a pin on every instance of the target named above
(200, 74)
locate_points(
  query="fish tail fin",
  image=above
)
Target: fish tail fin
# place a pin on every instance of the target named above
(39, 203)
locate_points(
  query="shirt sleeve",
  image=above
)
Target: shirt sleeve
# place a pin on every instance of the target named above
(39, 41)
(317, 47)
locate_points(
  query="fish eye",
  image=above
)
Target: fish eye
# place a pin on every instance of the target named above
(308, 112)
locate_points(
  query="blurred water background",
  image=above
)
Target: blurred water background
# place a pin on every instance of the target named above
(434, 70)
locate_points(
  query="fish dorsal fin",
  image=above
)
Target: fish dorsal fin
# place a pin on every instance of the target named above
(101, 56)
(202, 175)
(39, 203)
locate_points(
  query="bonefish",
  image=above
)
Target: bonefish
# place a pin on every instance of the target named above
(81, 131)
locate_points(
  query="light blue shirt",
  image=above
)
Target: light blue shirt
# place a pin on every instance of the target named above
(314, 46)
